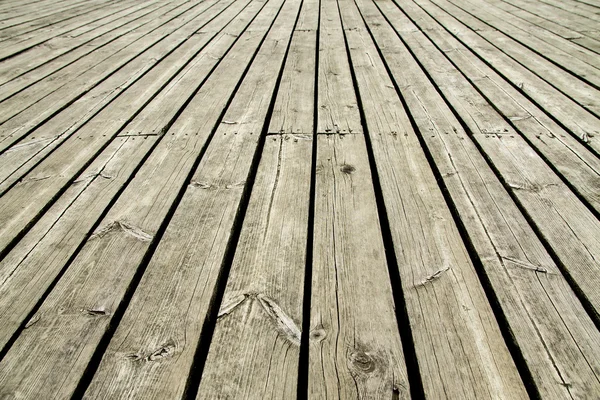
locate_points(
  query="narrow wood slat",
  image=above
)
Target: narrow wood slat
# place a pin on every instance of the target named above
(569, 56)
(338, 110)
(40, 61)
(553, 21)
(556, 337)
(16, 44)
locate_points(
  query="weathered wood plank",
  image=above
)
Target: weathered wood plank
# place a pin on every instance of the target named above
(123, 238)
(355, 349)
(18, 208)
(254, 352)
(557, 338)
(460, 349)
(55, 91)
(338, 110)
(58, 234)
(255, 348)
(351, 353)
(15, 44)
(563, 221)
(569, 157)
(567, 55)
(218, 184)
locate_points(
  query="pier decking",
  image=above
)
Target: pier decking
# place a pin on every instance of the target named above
(278, 199)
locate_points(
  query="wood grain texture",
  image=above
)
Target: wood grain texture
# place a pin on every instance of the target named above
(338, 109)
(354, 346)
(255, 347)
(566, 111)
(555, 335)
(459, 334)
(57, 236)
(551, 206)
(99, 276)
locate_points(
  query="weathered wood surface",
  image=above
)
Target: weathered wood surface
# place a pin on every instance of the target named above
(299, 198)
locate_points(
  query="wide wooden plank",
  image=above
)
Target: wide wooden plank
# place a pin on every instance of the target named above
(255, 347)
(59, 233)
(355, 349)
(161, 179)
(432, 259)
(535, 298)
(564, 222)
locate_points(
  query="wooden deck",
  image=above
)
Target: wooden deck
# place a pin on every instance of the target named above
(375, 199)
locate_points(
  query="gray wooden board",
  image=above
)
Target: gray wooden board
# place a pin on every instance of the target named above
(255, 347)
(39, 20)
(354, 346)
(432, 259)
(124, 236)
(556, 337)
(566, 111)
(16, 44)
(56, 236)
(60, 51)
(563, 220)
(55, 91)
(553, 21)
(577, 90)
(569, 56)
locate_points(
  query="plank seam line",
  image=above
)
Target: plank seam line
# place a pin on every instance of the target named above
(565, 180)
(303, 358)
(65, 106)
(75, 48)
(51, 202)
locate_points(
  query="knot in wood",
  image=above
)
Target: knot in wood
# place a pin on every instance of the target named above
(362, 361)
(318, 335)
(347, 169)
